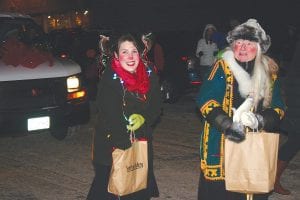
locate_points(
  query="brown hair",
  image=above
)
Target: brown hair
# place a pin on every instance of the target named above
(126, 37)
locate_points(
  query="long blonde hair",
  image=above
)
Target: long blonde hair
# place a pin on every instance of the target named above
(264, 69)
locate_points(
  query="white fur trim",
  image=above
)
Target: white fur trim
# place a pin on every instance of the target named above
(242, 77)
(244, 107)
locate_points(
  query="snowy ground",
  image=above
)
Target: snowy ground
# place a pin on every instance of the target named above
(38, 167)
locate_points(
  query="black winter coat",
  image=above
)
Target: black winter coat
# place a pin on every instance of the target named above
(114, 105)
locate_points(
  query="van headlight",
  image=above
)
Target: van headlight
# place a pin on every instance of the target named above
(73, 84)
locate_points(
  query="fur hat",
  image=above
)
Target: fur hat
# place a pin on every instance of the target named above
(250, 30)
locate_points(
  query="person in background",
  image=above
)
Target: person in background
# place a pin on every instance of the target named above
(291, 121)
(206, 50)
(128, 100)
(153, 52)
(241, 90)
(288, 47)
(219, 38)
(233, 22)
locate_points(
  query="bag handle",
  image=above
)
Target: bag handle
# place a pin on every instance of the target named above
(132, 137)
(249, 129)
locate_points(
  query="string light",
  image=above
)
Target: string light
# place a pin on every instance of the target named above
(149, 71)
(115, 76)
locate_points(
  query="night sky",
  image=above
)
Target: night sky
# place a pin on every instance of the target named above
(190, 14)
(173, 16)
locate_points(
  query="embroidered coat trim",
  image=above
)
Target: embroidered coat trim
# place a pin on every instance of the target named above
(218, 90)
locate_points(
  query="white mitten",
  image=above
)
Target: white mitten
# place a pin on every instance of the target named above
(244, 107)
(249, 119)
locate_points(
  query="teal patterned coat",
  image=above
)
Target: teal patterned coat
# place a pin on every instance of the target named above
(217, 91)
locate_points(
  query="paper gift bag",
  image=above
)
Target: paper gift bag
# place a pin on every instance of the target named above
(250, 166)
(129, 171)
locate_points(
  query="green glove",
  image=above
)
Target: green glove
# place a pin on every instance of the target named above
(220, 54)
(135, 122)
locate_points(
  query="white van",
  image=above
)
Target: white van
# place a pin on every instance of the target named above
(37, 90)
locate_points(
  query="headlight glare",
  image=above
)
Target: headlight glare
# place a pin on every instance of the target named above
(73, 83)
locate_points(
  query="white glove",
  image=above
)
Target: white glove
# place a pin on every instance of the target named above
(249, 119)
(244, 107)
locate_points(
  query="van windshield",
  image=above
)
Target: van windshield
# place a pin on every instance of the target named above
(23, 30)
(23, 43)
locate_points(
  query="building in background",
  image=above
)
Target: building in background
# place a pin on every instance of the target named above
(51, 14)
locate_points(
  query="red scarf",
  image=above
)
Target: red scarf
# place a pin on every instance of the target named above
(134, 82)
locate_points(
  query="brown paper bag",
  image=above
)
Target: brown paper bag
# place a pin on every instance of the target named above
(250, 166)
(129, 171)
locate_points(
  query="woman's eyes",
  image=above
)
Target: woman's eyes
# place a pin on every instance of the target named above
(127, 52)
(250, 44)
(245, 43)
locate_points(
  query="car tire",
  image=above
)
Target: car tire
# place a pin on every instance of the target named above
(60, 133)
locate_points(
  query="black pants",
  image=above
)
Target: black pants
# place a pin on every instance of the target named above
(215, 190)
(98, 188)
(291, 147)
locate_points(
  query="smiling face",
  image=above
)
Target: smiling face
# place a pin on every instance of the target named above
(244, 50)
(128, 56)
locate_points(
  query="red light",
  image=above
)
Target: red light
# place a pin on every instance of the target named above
(64, 55)
(196, 82)
(184, 58)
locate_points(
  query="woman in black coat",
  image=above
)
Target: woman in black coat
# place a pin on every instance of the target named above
(128, 89)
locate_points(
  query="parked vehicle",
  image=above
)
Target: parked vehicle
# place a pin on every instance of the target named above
(179, 73)
(82, 47)
(193, 73)
(38, 90)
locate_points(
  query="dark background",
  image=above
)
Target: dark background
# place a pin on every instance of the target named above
(186, 19)
(189, 14)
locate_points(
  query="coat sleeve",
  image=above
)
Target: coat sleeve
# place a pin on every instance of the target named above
(277, 100)
(154, 109)
(272, 116)
(212, 91)
(199, 47)
(109, 103)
